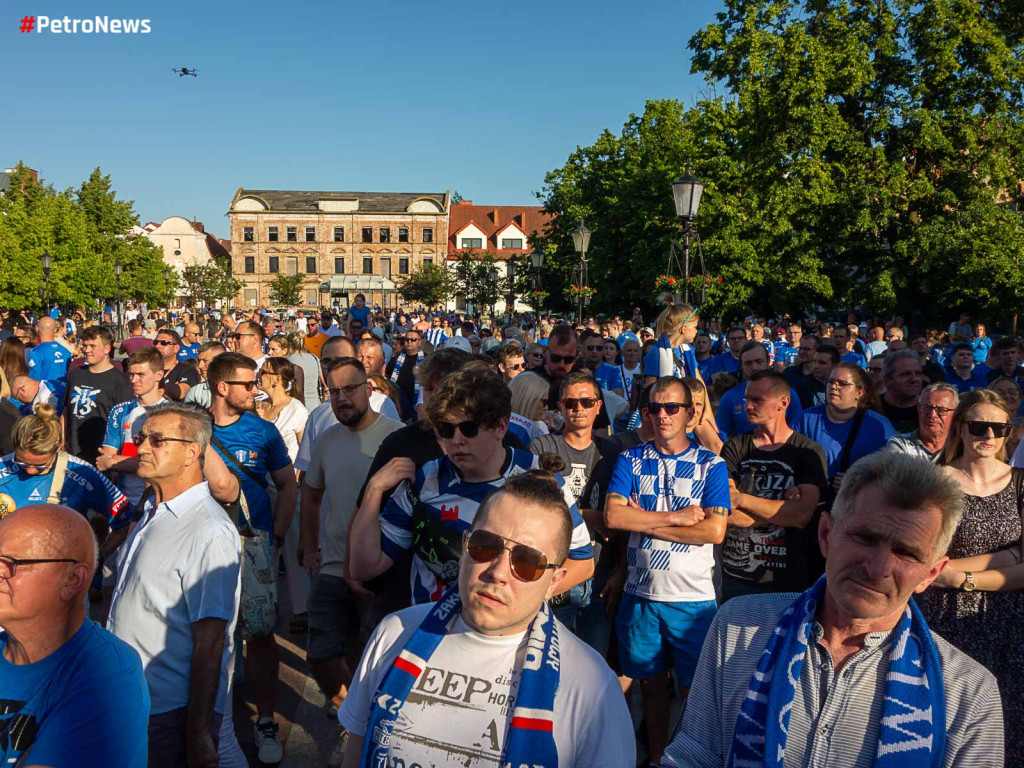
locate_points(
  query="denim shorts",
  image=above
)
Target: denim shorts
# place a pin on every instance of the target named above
(652, 636)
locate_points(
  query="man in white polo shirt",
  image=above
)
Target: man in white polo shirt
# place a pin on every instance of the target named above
(177, 594)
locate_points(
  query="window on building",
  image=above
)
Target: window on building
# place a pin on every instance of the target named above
(311, 297)
(311, 265)
(274, 266)
(403, 266)
(367, 234)
(310, 234)
(428, 234)
(248, 234)
(272, 234)
(250, 265)
(428, 262)
(512, 243)
(367, 265)
(293, 234)
(339, 266)
(472, 242)
(339, 234)
(385, 234)
(403, 234)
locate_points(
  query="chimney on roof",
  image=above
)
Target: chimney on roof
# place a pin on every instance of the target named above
(494, 216)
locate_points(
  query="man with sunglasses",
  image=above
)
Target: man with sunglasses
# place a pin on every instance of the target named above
(511, 362)
(72, 693)
(500, 682)
(935, 407)
(402, 369)
(92, 391)
(179, 377)
(177, 593)
(607, 375)
(314, 338)
(469, 414)
(252, 447)
(673, 497)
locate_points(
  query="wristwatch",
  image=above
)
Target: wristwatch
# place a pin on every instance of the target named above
(968, 583)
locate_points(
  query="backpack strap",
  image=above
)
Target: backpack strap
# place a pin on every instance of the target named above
(60, 471)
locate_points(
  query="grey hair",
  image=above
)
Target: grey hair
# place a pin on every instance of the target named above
(196, 422)
(910, 483)
(891, 358)
(940, 386)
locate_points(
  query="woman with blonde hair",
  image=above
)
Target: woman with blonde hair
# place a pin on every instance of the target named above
(529, 407)
(977, 598)
(311, 379)
(673, 353)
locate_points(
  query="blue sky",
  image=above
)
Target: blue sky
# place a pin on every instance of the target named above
(478, 97)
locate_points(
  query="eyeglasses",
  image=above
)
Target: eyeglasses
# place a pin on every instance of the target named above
(164, 343)
(236, 336)
(570, 403)
(39, 467)
(157, 440)
(348, 391)
(936, 409)
(447, 430)
(981, 428)
(528, 564)
(249, 385)
(670, 408)
(9, 565)
(839, 383)
(561, 358)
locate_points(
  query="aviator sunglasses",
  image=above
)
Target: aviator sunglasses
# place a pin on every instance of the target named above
(528, 564)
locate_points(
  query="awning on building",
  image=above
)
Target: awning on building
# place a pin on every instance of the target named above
(339, 285)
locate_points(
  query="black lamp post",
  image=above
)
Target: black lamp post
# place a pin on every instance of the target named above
(511, 269)
(493, 293)
(537, 258)
(167, 289)
(47, 261)
(581, 241)
(118, 269)
(687, 191)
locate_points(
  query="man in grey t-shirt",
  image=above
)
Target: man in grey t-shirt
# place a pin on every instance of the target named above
(862, 653)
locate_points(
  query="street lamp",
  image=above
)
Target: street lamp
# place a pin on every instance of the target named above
(510, 266)
(581, 242)
(47, 261)
(537, 258)
(167, 289)
(118, 269)
(493, 274)
(687, 191)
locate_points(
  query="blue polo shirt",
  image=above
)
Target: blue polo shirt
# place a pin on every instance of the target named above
(724, 363)
(257, 445)
(609, 377)
(856, 358)
(731, 415)
(977, 380)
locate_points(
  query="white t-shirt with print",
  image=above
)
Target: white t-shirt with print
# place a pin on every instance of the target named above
(459, 710)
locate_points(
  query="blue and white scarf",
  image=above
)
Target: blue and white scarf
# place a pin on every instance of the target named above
(671, 360)
(530, 739)
(398, 369)
(912, 732)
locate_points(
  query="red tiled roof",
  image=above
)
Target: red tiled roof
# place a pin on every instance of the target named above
(491, 219)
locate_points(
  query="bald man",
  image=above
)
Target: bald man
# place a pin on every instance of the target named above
(48, 360)
(70, 692)
(190, 343)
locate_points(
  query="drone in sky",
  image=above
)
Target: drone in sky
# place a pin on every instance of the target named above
(186, 71)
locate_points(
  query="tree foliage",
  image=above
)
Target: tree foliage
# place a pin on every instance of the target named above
(430, 286)
(471, 276)
(286, 290)
(84, 231)
(207, 283)
(862, 153)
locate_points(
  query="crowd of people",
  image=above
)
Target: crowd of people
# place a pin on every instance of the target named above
(803, 536)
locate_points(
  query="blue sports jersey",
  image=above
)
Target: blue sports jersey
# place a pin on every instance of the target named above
(724, 363)
(436, 336)
(189, 351)
(685, 361)
(731, 415)
(787, 355)
(874, 432)
(258, 445)
(362, 315)
(87, 703)
(856, 358)
(454, 502)
(48, 361)
(660, 570)
(609, 377)
(51, 392)
(85, 489)
(977, 380)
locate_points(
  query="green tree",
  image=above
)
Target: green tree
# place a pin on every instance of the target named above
(472, 278)
(286, 290)
(430, 285)
(211, 282)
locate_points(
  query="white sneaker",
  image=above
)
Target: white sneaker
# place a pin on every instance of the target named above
(338, 755)
(269, 749)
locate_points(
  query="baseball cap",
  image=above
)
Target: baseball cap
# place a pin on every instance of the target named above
(151, 323)
(458, 342)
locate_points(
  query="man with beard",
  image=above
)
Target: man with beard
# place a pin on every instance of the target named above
(904, 380)
(252, 447)
(341, 616)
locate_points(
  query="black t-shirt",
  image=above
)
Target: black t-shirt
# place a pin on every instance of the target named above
(795, 375)
(903, 419)
(406, 382)
(9, 416)
(182, 373)
(87, 403)
(811, 392)
(770, 557)
(579, 465)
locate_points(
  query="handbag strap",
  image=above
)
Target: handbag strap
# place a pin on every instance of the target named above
(60, 471)
(858, 419)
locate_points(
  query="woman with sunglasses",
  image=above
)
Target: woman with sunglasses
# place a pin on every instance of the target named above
(976, 603)
(27, 475)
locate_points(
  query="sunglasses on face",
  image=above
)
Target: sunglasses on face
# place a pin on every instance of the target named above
(249, 385)
(447, 430)
(561, 358)
(515, 366)
(570, 403)
(37, 467)
(528, 564)
(670, 408)
(981, 428)
(595, 349)
(236, 336)
(164, 343)
(156, 440)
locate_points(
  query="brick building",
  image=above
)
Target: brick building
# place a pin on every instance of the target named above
(357, 236)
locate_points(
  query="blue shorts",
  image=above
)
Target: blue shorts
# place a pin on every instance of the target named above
(652, 635)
